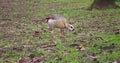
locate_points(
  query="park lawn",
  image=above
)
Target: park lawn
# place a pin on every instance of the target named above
(98, 32)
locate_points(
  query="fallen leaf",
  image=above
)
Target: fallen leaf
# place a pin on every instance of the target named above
(22, 60)
(43, 45)
(74, 45)
(18, 49)
(51, 50)
(58, 58)
(37, 32)
(49, 44)
(81, 48)
(66, 52)
(117, 31)
(31, 56)
(92, 56)
(38, 59)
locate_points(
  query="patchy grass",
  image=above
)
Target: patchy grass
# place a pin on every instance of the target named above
(97, 40)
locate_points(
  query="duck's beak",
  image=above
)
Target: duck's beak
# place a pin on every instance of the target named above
(74, 32)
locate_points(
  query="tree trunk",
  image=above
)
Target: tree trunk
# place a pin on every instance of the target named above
(103, 4)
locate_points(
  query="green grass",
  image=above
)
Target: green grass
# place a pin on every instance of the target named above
(95, 31)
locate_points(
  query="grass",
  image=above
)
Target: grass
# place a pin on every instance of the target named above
(96, 32)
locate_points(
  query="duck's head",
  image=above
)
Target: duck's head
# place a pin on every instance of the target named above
(71, 28)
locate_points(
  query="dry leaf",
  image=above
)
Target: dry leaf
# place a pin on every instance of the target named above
(58, 58)
(81, 48)
(49, 44)
(66, 52)
(22, 60)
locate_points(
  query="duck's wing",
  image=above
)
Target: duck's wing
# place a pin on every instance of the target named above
(59, 17)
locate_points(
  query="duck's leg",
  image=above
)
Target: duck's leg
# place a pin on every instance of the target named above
(63, 35)
(51, 29)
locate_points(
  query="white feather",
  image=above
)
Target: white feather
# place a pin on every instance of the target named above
(51, 21)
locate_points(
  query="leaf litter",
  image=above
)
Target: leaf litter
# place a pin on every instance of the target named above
(49, 47)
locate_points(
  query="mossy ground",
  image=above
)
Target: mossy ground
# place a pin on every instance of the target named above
(98, 32)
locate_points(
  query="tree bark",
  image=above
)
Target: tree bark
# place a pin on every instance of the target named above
(103, 4)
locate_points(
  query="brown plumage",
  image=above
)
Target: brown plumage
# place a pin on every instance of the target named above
(60, 22)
